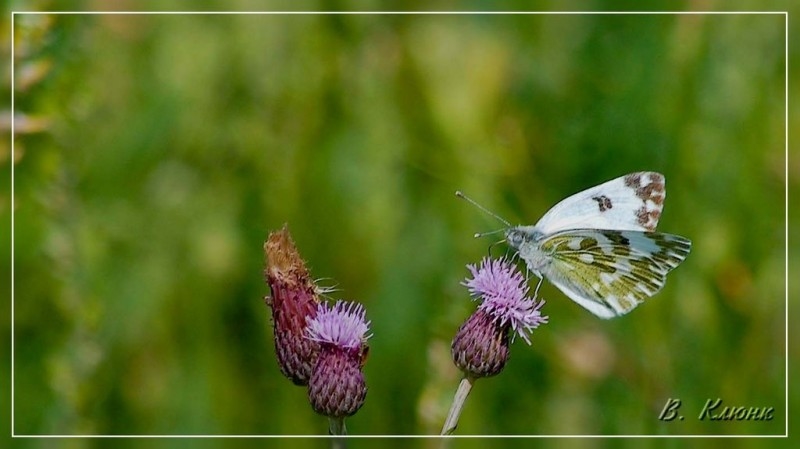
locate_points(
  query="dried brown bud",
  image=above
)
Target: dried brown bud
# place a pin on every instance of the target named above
(294, 297)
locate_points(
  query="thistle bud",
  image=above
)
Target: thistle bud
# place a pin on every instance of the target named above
(337, 387)
(480, 347)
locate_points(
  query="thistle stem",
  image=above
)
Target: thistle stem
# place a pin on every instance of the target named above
(337, 429)
(458, 403)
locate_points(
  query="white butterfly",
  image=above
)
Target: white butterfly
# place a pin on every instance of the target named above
(599, 246)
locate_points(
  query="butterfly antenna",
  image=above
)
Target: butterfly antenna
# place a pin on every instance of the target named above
(484, 234)
(471, 201)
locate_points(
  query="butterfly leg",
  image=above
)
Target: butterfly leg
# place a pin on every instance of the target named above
(536, 291)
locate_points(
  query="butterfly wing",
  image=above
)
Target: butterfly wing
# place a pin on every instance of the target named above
(632, 202)
(611, 272)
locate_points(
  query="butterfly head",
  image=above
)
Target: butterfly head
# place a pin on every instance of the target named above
(518, 236)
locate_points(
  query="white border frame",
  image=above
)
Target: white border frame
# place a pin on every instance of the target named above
(786, 203)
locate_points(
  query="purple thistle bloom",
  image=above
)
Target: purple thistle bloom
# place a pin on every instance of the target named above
(337, 387)
(342, 325)
(481, 345)
(505, 296)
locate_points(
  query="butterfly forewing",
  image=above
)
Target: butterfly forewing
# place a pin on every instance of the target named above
(609, 272)
(632, 202)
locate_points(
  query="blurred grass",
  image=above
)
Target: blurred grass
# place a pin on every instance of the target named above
(167, 147)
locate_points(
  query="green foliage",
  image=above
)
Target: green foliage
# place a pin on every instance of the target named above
(173, 144)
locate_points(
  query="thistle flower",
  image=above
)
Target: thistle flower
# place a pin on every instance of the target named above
(337, 388)
(480, 347)
(294, 299)
(505, 296)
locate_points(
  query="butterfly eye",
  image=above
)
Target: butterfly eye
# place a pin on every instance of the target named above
(514, 238)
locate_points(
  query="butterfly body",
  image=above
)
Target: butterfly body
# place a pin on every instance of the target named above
(600, 247)
(527, 241)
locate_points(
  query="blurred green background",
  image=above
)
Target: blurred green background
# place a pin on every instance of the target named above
(154, 155)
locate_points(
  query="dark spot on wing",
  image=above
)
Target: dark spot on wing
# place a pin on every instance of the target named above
(603, 202)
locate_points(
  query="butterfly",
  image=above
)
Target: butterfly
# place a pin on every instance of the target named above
(600, 246)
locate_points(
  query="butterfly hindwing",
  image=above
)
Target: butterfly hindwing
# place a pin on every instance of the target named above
(610, 272)
(632, 202)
